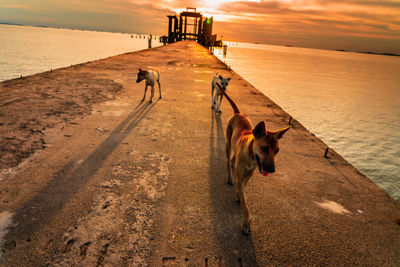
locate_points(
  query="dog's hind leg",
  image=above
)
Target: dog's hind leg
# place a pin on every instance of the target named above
(145, 90)
(212, 96)
(152, 94)
(159, 87)
(228, 154)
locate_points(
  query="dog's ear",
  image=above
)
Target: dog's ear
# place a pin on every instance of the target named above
(140, 70)
(279, 133)
(220, 76)
(259, 130)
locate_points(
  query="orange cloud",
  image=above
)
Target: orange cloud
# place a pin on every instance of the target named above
(315, 23)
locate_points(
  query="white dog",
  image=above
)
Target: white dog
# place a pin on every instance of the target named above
(223, 82)
(151, 77)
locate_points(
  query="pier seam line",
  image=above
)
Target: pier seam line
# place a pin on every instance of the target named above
(330, 162)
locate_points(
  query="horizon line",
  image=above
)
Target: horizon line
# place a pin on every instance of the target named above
(285, 45)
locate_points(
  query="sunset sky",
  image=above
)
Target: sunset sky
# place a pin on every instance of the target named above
(361, 25)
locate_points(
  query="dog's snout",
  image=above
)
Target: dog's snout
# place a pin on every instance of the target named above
(269, 167)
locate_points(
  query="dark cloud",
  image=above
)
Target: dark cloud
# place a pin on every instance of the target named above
(115, 16)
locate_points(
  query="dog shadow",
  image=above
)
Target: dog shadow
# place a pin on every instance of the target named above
(46, 204)
(238, 249)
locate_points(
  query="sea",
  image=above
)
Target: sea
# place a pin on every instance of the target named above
(26, 50)
(349, 100)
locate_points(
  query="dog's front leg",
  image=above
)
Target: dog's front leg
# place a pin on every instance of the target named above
(145, 90)
(215, 100)
(219, 103)
(240, 192)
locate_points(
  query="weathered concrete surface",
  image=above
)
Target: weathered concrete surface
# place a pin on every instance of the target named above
(136, 184)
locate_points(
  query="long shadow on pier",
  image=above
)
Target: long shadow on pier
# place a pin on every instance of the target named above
(51, 199)
(237, 249)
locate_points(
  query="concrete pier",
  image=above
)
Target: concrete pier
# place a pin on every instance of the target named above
(117, 182)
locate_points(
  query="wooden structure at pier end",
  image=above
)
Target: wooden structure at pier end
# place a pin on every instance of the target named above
(191, 25)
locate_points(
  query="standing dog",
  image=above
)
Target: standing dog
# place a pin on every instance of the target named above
(151, 78)
(251, 148)
(223, 82)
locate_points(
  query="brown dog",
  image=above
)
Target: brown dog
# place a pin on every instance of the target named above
(251, 148)
(151, 78)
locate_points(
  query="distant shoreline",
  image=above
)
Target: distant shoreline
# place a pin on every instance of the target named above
(10, 23)
(69, 28)
(287, 45)
(371, 53)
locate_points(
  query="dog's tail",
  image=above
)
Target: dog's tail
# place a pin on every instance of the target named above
(235, 108)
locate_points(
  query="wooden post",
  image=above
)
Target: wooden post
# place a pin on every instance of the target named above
(199, 31)
(170, 35)
(180, 28)
(150, 38)
(184, 35)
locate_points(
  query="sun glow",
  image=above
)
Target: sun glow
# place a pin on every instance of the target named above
(210, 8)
(214, 4)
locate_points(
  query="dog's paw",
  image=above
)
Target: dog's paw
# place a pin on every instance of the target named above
(233, 160)
(246, 227)
(142, 100)
(218, 111)
(150, 101)
(237, 199)
(229, 180)
(212, 107)
(160, 97)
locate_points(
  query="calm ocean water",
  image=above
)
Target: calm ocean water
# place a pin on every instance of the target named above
(349, 100)
(28, 50)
